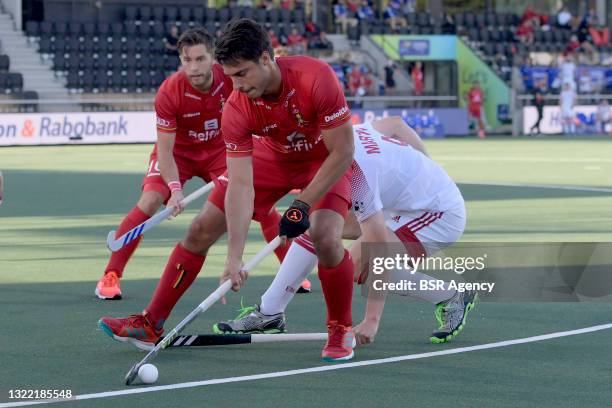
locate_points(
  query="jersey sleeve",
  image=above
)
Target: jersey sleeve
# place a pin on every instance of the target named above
(329, 101)
(236, 132)
(365, 194)
(166, 110)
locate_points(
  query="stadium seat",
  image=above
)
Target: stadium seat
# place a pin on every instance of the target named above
(171, 13)
(144, 13)
(59, 63)
(285, 16)
(75, 28)
(118, 29)
(184, 14)
(60, 28)
(3, 80)
(131, 13)
(14, 82)
(199, 15)
(211, 15)
(248, 12)
(273, 17)
(144, 32)
(4, 63)
(480, 20)
(32, 29)
(223, 16)
(157, 13)
(45, 45)
(298, 16)
(261, 16)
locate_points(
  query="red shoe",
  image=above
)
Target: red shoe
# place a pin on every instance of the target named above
(340, 343)
(305, 286)
(136, 329)
(108, 286)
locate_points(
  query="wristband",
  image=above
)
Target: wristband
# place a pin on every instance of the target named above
(174, 186)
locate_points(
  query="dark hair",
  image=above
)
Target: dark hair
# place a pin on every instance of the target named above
(195, 36)
(242, 40)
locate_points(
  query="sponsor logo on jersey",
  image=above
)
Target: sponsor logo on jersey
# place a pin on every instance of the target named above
(192, 96)
(337, 114)
(295, 136)
(163, 122)
(358, 206)
(211, 124)
(289, 95)
(231, 146)
(270, 127)
(191, 115)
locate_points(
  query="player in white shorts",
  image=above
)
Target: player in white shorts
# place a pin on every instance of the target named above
(399, 195)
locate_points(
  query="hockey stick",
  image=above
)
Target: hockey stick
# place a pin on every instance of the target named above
(202, 340)
(116, 244)
(202, 307)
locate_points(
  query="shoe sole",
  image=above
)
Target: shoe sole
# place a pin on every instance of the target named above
(303, 290)
(338, 359)
(468, 308)
(140, 345)
(97, 293)
(216, 330)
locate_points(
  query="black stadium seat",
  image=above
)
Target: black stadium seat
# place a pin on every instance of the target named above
(14, 82)
(199, 15)
(144, 13)
(171, 13)
(184, 14)
(158, 13)
(4, 63)
(131, 13)
(32, 29)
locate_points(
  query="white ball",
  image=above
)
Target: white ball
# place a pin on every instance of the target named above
(148, 373)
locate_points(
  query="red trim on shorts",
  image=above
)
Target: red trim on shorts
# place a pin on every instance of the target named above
(411, 242)
(428, 221)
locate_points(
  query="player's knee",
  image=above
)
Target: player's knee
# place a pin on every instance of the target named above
(329, 248)
(150, 201)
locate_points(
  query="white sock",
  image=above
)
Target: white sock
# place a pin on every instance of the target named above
(298, 263)
(433, 296)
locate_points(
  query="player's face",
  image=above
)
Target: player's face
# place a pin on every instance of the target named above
(197, 63)
(250, 78)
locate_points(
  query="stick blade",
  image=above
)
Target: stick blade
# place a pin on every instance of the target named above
(110, 239)
(132, 374)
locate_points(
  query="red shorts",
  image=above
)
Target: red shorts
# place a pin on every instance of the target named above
(274, 178)
(475, 111)
(215, 165)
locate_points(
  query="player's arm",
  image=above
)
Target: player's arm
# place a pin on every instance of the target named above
(374, 230)
(340, 144)
(238, 213)
(395, 127)
(169, 170)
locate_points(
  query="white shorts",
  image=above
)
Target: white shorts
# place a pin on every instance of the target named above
(427, 231)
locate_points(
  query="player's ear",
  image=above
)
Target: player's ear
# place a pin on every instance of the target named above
(265, 58)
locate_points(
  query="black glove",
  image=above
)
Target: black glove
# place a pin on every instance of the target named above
(295, 220)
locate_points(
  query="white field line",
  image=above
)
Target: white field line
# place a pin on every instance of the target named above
(319, 369)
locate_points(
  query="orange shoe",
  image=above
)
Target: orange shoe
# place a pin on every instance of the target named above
(305, 286)
(108, 286)
(136, 329)
(340, 343)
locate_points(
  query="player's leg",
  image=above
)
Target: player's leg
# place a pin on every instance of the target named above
(269, 316)
(335, 273)
(184, 264)
(154, 194)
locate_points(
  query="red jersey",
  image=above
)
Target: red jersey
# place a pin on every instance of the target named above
(417, 81)
(475, 97)
(290, 126)
(194, 116)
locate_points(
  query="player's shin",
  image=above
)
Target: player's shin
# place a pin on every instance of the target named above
(119, 259)
(337, 285)
(298, 263)
(181, 270)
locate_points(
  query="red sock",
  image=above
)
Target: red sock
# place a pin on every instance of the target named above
(119, 259)
(181, 270)
(337, 285)
(269, 229)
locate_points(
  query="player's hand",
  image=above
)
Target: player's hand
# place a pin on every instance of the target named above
(175, 201)
(365, 332)
(295, 220)
(235, 272)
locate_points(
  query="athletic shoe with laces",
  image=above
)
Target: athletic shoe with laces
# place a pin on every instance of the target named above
(135, 329)
(452, 315)
(340, 343)
(251, 320)
(305, 286)
(108, 286)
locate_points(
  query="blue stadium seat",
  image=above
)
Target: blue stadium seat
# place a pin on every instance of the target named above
(60, 28)
(131, 13)
(211, 15)
(158, 13)
(144, 13)
(14, 82)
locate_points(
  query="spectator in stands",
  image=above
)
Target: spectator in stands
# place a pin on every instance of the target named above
(354, 80)
(367, 81)
(602, 117)
(599, 36)
(409, 6)
(321, 42)
(296, 43)
(266, 4)
(170, 41)
(417, 79)
(245, 3)
(365, 12)
(341, 15)
(572, 46)
(274, 41)
(525, 32)
(448, 26)
(312, 29)
(539, 91)
(352, 6)
(564, 18)
(393, 15)
(568, 100)
(390, 75)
